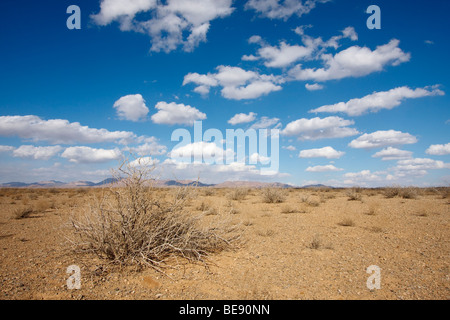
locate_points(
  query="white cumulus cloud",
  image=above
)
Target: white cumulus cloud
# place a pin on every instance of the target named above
(439, 149)
(326, 152)
(37, 153)
(242, 118)
(326, 168)
(320, 128)
(90, 155)
(173, 113)
(58, 131)
(131, 107)
(282, 9)
(354, 61)
(378, 100)
(380, 139)
(391, 153)
(236, 83)
(169, 24)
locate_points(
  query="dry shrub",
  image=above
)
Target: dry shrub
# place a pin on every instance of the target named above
(21, 213)
(132, 225)
(204, 206)
(354, 194)
(316, 243)
(310, 202)
(391, 192)
(347, 222)
(405, 193)
(273, 195)
(238, 194)
(409, 193)
(373, 208)
(208, 192)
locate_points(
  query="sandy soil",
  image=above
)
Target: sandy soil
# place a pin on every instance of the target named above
(317, 244)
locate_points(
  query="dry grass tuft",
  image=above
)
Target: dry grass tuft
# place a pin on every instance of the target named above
(288, 209)
(316, 243)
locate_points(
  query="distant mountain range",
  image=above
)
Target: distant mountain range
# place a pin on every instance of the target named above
(158, 183)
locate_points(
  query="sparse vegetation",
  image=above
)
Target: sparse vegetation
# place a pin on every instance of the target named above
(273, 195)
(174, 227)
(347, 222)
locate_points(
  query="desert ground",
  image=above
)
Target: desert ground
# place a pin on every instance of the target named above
(311, 244)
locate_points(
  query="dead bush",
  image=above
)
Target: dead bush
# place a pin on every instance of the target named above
(409, 193)
(273, 195)
(347, 222)
(238, 194)
(21, 213)
(354, 194)
(130, 224)
(391, 192)
(405, 193)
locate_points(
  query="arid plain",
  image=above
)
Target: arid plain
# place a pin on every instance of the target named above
(309, 244)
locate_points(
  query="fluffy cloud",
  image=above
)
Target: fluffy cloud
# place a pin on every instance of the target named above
(37, 153)
(131, 107)
(391, 153)
(326, 152)
(58, 131)
(313, 87)
(236, 83)
(290, 148)
(284, 55)
(6, 148)
(326, 168)
(242, 118)
(144, 162)
(421, 164)
(381, 139)
(257, 158)
(353, 62)
(172, 113)
(320, 128)
(439, 149)
(201, 150)
(90, 155)
(362, 178)
(279, 9)
(378, 100)
(150, 146)
(170, 25)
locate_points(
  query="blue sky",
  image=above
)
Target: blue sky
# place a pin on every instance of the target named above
(354, 106)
